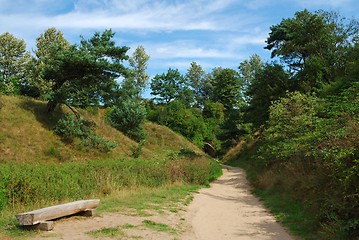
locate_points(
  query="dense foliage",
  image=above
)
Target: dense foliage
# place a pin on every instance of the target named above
(128, 117)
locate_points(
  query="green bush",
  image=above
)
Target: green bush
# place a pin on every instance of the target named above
(189, 122)
(319, 136)
(128, 117)
(70, 128)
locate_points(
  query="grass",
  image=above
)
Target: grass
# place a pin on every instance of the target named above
(142, 201)
(160, 227)
(27, 136)
(290, 212)
(37, 169)
(107, 232)
(137, 201)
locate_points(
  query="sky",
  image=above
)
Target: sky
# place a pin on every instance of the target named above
(213, 33)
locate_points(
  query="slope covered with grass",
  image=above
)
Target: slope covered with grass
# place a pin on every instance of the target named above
(38, 169)
(26, 135)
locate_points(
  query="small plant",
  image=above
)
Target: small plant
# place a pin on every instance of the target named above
(53, 152)
(128, 226)
(137, 152)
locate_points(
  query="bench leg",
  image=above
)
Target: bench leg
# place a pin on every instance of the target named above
(43, 226)
(88, 213)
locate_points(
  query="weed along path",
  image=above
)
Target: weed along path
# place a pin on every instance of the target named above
(228, 211)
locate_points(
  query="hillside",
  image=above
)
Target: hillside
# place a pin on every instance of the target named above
(26, 135)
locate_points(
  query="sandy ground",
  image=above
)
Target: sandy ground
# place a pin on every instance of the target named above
(227, 210)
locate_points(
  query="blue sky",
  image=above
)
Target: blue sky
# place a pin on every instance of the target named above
(174, 33)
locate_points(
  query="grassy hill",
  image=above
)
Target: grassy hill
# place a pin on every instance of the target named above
(26, 135)
(38, 169)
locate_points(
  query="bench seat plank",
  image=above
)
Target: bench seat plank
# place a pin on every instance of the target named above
(57, 211)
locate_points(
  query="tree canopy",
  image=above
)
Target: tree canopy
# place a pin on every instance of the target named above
(13, 63)
(85, 74)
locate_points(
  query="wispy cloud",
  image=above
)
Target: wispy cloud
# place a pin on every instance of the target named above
(326, 3)
(128, 15)
(174, 33)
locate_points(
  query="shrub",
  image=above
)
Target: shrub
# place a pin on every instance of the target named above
(321, 137)
(128, 117)
(70, 128)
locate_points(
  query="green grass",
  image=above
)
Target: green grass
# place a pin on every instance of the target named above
(106, 232)
(139, 201)
(143, 201)
(290, 212)
(160, 227)
(128, 226)
(38, 170)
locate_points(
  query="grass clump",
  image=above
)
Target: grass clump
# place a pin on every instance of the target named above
(160, 227)
(106, 232)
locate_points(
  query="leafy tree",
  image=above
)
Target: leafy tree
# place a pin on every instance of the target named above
(171, 85)
(139, 62)
(197, 78)
(271, 83)
(248, 70)
(187, 121)
(48, 45)
(128, 117)
(85, 74)
(13, 61)
(313, 45)
(227, 88)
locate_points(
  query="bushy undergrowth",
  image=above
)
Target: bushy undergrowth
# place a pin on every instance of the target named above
(309, 151)
(70, 128)
(24, 185)
(196, 126)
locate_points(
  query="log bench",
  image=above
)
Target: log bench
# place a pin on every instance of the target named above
(39, 219)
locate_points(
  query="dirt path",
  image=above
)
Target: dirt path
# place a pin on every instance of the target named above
(227, 211)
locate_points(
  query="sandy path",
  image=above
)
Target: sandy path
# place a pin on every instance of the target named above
(227, 210)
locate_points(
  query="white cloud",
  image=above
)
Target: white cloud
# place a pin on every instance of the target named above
(326, 3)
(136, 15)
(186, 49)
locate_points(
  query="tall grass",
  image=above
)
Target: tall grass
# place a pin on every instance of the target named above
(24, 184)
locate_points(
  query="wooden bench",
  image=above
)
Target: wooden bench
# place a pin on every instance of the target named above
(39, 218)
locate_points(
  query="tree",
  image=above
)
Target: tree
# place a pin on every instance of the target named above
(139, 62)
(170, 86)
(128, 116)
(248, 70)
(197, 78)
(271, 83)
(226, 88)
(48, 45)
(313, 45)
(13, 61)
(84, 74)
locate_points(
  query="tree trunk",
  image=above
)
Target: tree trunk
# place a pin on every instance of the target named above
(51, 105)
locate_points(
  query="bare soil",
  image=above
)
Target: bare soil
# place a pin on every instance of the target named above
(227, 210)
